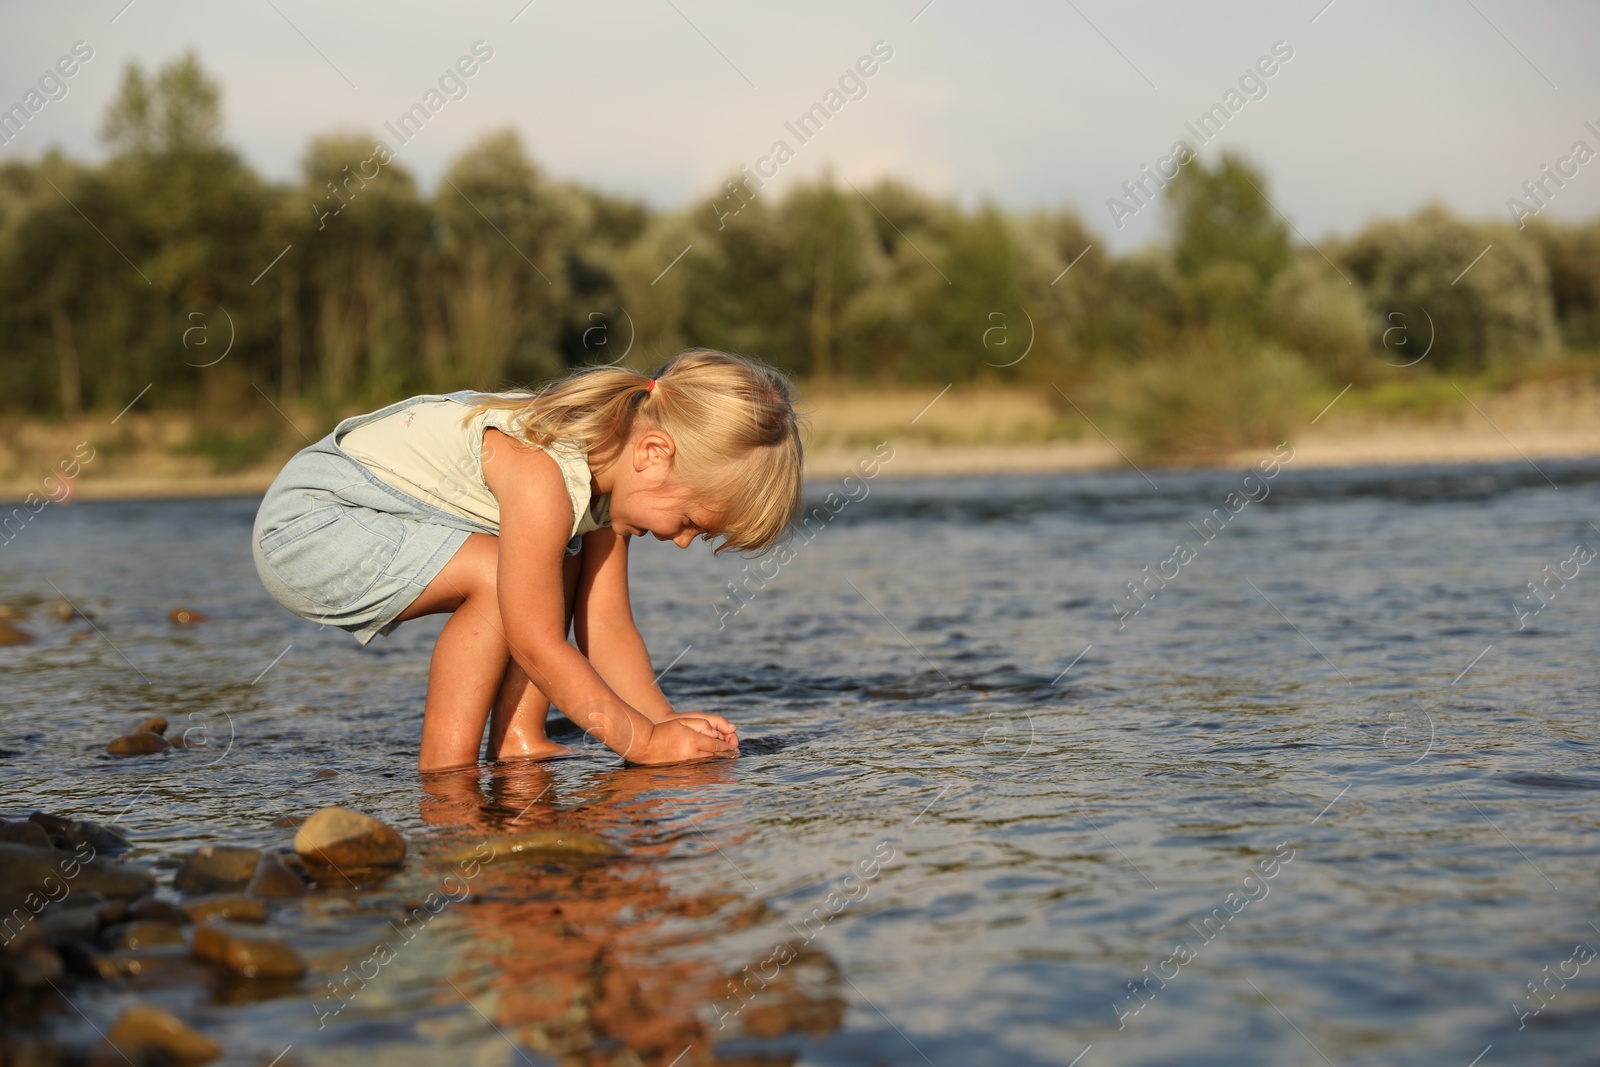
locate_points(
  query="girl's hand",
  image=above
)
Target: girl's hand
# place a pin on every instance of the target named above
(676, 740)
(708, 724)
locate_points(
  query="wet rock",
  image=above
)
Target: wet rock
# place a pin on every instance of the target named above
(139, 745)
(186, 616)
(142, 933)
(273, 878)
(248, 957)
(554, 845)
(12, 635)
(286, 821)
(33, 966)
(79, 636)
(216, 869)
(22, 832)
(322, 775)
(155, 724)
(239, 909)
(77, 832)
(11, 611)
(58, 924)
(64, 611)
(341, 838)
(55, 824)
(154, 909)
(143, 1030)
(29, 876)
(97, 836)
(87, 961)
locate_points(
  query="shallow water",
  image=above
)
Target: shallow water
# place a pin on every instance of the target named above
(1330, 713)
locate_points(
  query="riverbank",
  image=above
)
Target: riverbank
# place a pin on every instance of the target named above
(960, 432)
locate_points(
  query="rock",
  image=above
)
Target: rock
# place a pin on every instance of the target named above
(155, 724)
(79, 636)
(154, 909)
(11, 611)
(12, 635)
(98, 837)
(274, 879)
(141, 933)
(114, 911)
(33, 966)
(322, 775)
(24, 871)
(142, 1030)
(186, 616)
(139, 745)
(239, 909)
(60, 924)
(55, 824)
(64, 611)
(285, 821)
(216, 869)
(22, 832)
(248, 957)
(557, 845)
(340, 837)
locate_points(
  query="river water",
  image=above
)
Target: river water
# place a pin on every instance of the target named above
(1328, 796)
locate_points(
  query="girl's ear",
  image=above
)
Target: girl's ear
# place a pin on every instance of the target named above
(651, 448)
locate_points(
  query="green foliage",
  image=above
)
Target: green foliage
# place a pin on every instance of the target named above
(1498, 312)
(1208, 399)
(349, 287)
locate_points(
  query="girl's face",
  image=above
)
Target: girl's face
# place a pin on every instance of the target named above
(646, 499)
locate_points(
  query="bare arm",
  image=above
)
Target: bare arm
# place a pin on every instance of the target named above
(606, 633)
(535, 518)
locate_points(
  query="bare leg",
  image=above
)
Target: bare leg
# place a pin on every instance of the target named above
(469, 658)
(517, 728)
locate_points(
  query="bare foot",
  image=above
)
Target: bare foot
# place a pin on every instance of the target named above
(532, 750)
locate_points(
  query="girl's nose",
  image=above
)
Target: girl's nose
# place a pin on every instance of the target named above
(685, 539)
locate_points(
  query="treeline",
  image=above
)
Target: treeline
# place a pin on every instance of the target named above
(352, 287)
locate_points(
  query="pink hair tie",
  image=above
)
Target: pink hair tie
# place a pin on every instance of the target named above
(651, 387)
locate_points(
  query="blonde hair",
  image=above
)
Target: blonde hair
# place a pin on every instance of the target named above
(731, 419)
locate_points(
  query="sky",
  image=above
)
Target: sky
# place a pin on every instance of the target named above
(1379, 109)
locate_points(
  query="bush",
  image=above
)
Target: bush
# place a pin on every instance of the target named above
(1208, 400)
(1498, 315)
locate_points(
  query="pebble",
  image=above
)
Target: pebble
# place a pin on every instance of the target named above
(341, 837)
(286, 821)
(187, 616)
(155, 724)
(249, 957)
(273, 878)
(11, 611)
(12, 635)
(78, 636)
(33, 966)
(63, 611)
(543, 844)
(216, 869)
(154, 909)
(101, 839)
(237, 908)
(142, 1030)
(139, 745)
(24, 870)
(23, 832)
(141, 933)
(78, 923)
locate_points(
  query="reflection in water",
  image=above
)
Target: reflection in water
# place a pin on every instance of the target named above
(597, 962)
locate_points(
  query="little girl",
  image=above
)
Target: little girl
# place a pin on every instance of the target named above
(512, 511)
